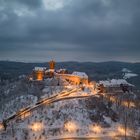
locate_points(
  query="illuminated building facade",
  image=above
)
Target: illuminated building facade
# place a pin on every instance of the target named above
(52, 65)
(38, 73)
(41, 73)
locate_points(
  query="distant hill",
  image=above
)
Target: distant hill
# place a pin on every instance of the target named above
(96, 71)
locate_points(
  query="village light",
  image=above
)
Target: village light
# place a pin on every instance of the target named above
(71, 126)
(1, 126)
(25, 115)
(96, 128)
(37, 126)
(112, 134)
(30, 78)
(128, 104)
(121, 130)
(39, 75)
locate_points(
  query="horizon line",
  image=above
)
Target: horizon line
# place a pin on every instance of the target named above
(72, 61)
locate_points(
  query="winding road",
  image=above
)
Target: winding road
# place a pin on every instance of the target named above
(59, 97)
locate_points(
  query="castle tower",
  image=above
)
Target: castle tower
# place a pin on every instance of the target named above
(39, 75)
(52, 65)
(52, 68)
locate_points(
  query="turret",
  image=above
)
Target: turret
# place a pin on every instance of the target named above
(52, 68)
(52, 65)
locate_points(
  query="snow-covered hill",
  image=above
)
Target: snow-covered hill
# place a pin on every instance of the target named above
(95, 116)
(128, 73)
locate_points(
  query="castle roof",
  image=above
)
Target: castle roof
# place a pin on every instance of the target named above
(80, 74)
(39, 68)
(114, 82)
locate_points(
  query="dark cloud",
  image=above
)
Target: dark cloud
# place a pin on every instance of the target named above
(28, 3)
(91, 30)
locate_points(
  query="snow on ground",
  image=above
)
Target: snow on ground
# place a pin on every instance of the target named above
(114, 82)
(61, 119)
(129, 75)
(51, 90)
(125, 70)
(17, 104)
(80, 74)
(39, 68)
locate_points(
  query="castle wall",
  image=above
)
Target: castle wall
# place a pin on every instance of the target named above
(38, 75)
(73, 78)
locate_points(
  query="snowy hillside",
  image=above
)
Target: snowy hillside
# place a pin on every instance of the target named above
(97, 116)
(17, 104)
(128, 73)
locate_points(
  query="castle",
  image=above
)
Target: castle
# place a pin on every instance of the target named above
(42, 73)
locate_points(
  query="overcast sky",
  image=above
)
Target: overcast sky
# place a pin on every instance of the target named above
(70, 30)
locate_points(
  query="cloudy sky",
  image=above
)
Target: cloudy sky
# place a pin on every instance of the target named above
(70, 30)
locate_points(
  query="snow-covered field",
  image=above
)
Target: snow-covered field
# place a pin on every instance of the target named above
(67, 118)
(17, 104)
(128, 73)
(61, 119)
